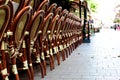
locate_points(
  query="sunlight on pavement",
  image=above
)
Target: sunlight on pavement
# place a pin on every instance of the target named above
(108, 41)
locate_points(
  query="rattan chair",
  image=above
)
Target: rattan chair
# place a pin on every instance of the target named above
(56, 36)
(43, 42)
(31, 40)
(61, 36)
(16, 36)
(51, 39)
(4, 21)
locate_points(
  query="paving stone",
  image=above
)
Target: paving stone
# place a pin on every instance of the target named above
(97, 60)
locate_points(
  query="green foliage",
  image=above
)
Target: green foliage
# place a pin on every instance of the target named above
(117, 21)
(93, 5)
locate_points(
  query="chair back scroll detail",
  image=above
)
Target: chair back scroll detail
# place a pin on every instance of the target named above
(5, 16)
(36, 23)
(19, 24)
(44, 5)
(46, 23)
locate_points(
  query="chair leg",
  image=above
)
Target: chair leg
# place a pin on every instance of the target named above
(42, 69)
(29, 74)
(66, 52)
(37, 53)
(70, 49)
(25, 64)
(24, 58)
(28, 55)
(4, 65)
(30, 67)
(14, 68)
(44, 66)
(58, 58)
(73, 46)
(1, 76)
(63, 54)
(57, 54)
(52, 59)
(31, 71)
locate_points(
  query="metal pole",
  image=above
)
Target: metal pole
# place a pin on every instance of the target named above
(85, 20)
(79, 8)
(88, 30)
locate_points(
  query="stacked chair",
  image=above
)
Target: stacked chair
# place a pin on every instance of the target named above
(35, 32)
(5, 18)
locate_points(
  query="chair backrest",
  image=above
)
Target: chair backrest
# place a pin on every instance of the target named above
(2, 2)
(59, 24)
(44, 5)
(11, 14)
(58, 11)
(35, 24)
(52, 26)
(46, 23)
(4, 19)
(64, 13)
(19, 25)
(71, 28)
(67, 28)
(51, 9)
(33, 4)
(27, 2)
(62, 28)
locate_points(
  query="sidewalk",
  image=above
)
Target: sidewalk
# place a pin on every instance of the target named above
(98, 60)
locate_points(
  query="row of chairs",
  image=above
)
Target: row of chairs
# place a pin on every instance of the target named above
(34, 32)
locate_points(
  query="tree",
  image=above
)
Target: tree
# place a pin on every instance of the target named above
(93, 5)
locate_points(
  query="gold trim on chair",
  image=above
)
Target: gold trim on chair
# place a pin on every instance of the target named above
(14, 69)
(9, 33)
(38, 59)
(4, 71)
(3, 45)
(25, 65)
(30, 64)
(39, 32)
(23, 44)
(48, 53)
(51, 52)
(26, 33)
(56, 50)
(42, 56)
(61, 47)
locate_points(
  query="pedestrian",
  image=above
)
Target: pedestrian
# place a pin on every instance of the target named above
(115, 27)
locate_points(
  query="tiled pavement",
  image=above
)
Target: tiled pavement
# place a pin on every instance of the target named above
(98, 60)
